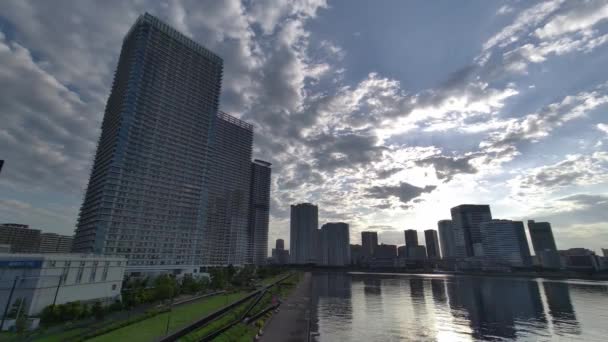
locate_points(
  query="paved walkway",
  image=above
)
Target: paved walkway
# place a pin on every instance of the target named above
(291, 324)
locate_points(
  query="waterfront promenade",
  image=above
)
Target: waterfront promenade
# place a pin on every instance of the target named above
(292, 322)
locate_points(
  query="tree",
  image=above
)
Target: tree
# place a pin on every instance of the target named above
(230, 272)
(21, 323)
(85, 312)
(166, 287)
(218, 278)
(98, 311)
(49, 315)
(244, 277)
(190, 285)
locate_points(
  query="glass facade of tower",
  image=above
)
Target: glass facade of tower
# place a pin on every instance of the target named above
(226, 232)
(446, 235)
(259, 211)
(542, 236)
(303, 238)
(466, 219)
(146, 196)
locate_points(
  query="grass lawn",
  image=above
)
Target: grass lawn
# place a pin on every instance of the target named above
(41, 336)
(270, 280)
(153, 328)
(61, 336)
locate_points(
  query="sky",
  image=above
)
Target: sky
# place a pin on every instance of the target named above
(383, 113)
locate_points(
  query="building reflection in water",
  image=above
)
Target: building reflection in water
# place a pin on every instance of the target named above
(497, 308)
(438, 290)
(331, 296)
(560, 308)
(374, 307)
(372, 286)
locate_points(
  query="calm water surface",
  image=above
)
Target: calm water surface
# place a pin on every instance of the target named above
(391, 307)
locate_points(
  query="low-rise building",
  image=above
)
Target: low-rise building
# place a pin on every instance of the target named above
(356, 255)
(21, 237)
(280, 256)
(402, 252)
(5, 248)
(549, 259)
(581, 259)
(44, 279)
(55, 243)
(416, 252)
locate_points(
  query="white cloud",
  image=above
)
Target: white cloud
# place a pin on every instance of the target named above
(526, 19)
(579, 18)
(574, 170)
(505, 9)
(536, 126)
(603, 127)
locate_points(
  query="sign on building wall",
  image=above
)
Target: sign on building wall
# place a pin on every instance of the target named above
(20, 263)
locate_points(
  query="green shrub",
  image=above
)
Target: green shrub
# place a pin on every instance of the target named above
(116, 306)
(98, 311)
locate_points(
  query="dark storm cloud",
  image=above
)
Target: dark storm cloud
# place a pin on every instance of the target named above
(404, 191)
(447, 167)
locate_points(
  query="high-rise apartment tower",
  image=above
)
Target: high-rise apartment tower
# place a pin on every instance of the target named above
(147, 194)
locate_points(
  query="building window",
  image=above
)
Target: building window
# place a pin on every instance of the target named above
(93, 274)
(113, 287)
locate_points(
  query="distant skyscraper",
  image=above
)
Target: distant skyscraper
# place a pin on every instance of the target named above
(465, 221)
(259, 210)
(411, 237)
(402, 251)
(55, 243)
(335, 244)
(279, 254)
(304, 225)
(20, 237)
(146, 197)
(541, 235)
(605, 252)
(227, 239)
(504, 242)
(446, 235)
(432, 244)
(369, 241)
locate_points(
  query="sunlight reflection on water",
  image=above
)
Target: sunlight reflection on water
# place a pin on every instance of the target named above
(393, 307)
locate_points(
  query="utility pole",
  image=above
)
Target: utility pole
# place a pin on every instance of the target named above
(8, 302)
(57, 291)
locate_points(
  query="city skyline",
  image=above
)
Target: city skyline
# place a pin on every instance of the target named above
(379, 128)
